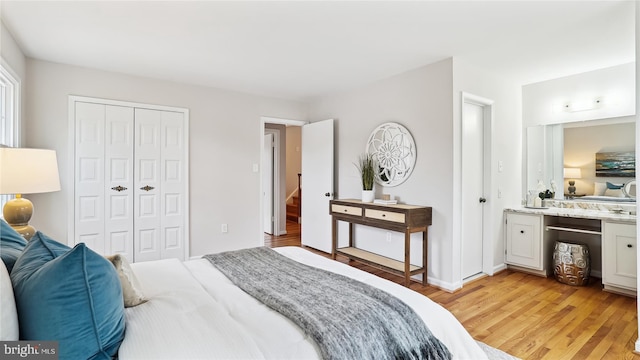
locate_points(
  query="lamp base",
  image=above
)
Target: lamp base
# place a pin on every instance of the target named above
(17, 213)
(572, 188)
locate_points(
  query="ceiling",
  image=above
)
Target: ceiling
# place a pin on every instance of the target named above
(300, 49)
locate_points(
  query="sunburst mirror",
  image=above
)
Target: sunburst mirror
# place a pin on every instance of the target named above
(394, 151)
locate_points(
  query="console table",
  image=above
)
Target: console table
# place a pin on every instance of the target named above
(403, 218)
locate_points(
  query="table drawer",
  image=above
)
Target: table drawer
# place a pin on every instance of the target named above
(385, 215)
(350, 210)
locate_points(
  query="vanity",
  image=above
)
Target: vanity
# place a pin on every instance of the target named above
(530, 236)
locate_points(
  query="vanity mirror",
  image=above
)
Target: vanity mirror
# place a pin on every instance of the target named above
(551, 148)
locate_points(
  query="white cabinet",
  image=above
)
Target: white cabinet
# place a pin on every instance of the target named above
(524, 245)
(619, 256)
(130, 178)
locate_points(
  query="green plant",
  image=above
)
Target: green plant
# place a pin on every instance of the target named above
(365, 167)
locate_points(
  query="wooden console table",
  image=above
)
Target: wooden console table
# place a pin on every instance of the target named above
(407, 219)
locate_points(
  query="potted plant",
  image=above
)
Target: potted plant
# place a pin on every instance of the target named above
(366, 168)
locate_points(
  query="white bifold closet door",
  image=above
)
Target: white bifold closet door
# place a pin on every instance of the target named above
(130, 183)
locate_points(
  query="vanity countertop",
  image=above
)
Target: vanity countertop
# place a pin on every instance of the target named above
(578, 213)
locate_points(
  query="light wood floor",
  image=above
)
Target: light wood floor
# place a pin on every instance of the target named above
(528, 316)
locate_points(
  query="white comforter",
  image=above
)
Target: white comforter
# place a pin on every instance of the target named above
(195, 312)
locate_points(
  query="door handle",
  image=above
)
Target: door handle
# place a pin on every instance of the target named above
(482, 200)
(327, 194)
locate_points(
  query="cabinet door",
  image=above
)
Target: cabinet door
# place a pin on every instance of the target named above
(524, 240)
(619, 261)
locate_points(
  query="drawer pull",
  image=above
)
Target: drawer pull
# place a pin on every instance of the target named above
(629, 246)
(345, 210)
(521, 231)
(384, 215)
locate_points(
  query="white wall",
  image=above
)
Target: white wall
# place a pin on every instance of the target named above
(506, 147)
(542, 102)
(421, 101)
(225, 137)
(294, 157)
(15, 59)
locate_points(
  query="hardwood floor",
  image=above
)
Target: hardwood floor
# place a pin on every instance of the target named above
(529, 316)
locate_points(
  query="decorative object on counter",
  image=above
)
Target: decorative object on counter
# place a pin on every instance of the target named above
(365, 166)
(394, 150)
(554, 188)
(629, 189)
(537, 202)
(571, 263)
(572, 174)
(616, 164)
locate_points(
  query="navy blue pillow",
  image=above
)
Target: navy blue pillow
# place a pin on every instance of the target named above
(11, 245)
(614, 186)
(70, 296)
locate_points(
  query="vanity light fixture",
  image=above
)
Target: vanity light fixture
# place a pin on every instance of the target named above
(583, 104)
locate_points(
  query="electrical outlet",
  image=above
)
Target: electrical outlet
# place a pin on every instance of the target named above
(225, 228)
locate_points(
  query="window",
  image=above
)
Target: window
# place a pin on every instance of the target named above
(9, 111)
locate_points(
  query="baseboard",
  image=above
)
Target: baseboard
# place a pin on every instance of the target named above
(498, 268)
(446, 286)
(196, 257)
(637, 350)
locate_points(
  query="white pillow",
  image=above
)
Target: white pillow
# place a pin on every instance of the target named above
(131, 290)
(614, 193)
(599, 189)
(9, 330)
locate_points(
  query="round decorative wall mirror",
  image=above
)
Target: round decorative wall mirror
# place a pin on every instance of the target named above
(394, 152)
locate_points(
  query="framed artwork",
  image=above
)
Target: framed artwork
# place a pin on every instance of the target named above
(616, 164)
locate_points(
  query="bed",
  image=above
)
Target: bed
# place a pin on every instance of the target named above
(191, 310)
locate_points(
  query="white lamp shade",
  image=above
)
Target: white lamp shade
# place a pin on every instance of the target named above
(28, 171)
(572, 173)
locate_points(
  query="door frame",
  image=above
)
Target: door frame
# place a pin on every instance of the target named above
(276, 175)
(275, 180)
(71, 153)
(487, 211)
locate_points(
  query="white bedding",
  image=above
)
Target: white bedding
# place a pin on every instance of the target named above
(195, 312)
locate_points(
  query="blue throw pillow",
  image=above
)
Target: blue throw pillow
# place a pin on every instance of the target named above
(614, 186)
(11, 245)
(73, 297)
(41, 249)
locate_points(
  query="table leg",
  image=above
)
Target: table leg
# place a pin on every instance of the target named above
(350, 234)
(334, 237)
(407, 258)
(425, 250)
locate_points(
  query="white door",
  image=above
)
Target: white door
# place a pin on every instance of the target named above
(159, 185)
(119, 181)
(472, 188)
(267, 183)
(130, 187)
(317, 184)
(104, 178)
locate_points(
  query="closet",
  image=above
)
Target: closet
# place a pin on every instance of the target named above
(130, 171)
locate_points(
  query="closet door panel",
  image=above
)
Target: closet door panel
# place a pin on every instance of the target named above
(119, 181)
(172, 189)
(89, 175)
(147, 184)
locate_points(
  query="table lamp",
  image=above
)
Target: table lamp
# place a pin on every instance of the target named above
(26, 171)
(572, 174)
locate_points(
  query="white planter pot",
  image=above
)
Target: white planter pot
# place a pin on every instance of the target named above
(367, 196)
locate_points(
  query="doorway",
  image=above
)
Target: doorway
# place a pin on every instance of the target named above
(475, 192)
(277, 185)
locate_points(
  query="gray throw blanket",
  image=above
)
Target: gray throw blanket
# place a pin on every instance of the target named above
(348, 319)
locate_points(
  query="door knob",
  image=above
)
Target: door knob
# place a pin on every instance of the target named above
(482, 200)
(327, 194)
